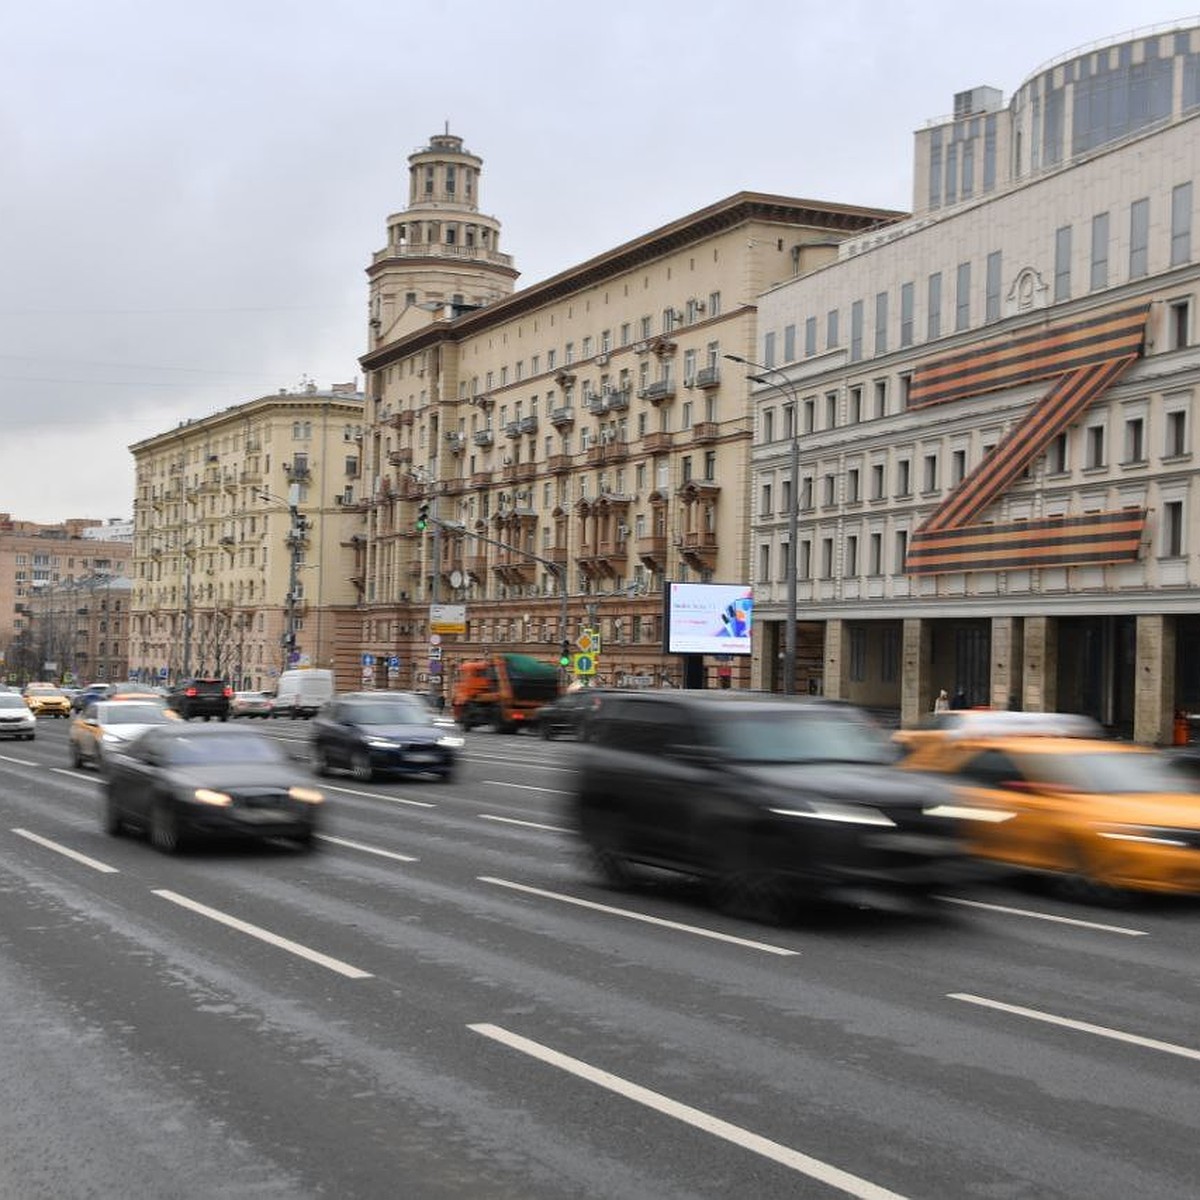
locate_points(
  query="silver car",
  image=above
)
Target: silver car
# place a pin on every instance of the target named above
(16, 720)
(108, 725)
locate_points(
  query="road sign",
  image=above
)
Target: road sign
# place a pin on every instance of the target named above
(435, 666)
(162, 672)
(447, 618)
(435, 653)
(393, 662)
(587, 641)
(584, 664)
(368, 660)
(435, 639)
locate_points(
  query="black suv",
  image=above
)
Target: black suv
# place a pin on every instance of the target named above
(201, 698)
(766, 797)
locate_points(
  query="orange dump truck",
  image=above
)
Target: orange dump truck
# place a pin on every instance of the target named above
(504, 690)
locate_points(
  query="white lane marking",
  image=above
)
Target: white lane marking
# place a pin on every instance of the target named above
(337, 841)
(814, 1168)
(21, 762)
(1083, 1026)
(76, 774)
(264, 935)
(378, 796)
(1037, 916)
(525, 787)
(635, 916)
(526, 824)
(523, 764)
(94, 863)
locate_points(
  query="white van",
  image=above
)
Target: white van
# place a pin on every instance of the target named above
(301, 693)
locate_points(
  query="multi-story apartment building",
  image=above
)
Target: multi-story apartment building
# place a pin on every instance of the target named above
(992, 408)
(80, 628)
(579, 441)
(242, 524)
(35, 557)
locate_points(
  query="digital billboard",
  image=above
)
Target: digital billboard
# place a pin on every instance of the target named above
(708, 618)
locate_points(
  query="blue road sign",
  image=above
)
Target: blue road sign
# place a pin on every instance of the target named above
(368, 660)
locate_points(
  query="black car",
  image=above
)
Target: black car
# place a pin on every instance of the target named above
(201, 698)
(766, 797)
(568, 715)
(369, 733)
(176, 782)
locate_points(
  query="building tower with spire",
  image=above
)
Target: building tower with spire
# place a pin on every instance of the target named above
(441, 252)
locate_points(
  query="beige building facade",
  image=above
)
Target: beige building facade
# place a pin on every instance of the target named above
(242, 525)
(37, 559)
(578, 443)
(994, 405)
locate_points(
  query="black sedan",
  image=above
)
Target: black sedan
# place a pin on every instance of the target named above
(369, 733)
(177, 782)
(567, 716)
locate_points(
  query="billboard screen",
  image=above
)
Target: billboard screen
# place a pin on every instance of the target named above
(708, 618)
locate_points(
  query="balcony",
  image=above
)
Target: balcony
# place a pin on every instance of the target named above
(512, 429)
(400, 458)
(705, 431)
(708, 377)
(607, 452)
(250, 475)
(481, 478)
(453, 487)
(528, 424)
(659, 392)
(558, 464)
(456, 442)
(699, 549)
(475, 565)
(483, 437)
(560, 417)
(652, 550)
(557, 554)
(519, 472)
(297, 471)
(656, 443)
(617, 401)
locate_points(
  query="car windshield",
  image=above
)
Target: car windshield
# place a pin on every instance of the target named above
(197, 751)
(388, 712)
(1119, 773)
(45, 691)
(8, 700)
(133, 714)
(802, 736)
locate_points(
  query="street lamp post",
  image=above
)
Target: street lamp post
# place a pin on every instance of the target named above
(789, 633)
(295, 541)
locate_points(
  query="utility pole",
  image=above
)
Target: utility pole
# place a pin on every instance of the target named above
(187, 613)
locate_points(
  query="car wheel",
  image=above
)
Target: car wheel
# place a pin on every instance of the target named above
(547, 733)
(360, 766)
(308, 841)
(1080, 882)
(321, 761)
(448, 775)
(742, 887)
(165, 834)
(114, 823)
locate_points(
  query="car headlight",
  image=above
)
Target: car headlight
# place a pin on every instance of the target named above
(842, 814)
(208, 796)
(382, 743)
(306, 795)
(451, 741)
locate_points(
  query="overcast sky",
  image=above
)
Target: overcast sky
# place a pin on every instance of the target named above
(190, 193)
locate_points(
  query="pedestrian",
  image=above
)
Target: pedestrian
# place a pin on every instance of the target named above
(960, 699)
(942, 703)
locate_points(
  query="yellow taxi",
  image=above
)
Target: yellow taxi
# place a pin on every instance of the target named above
(47, 700)
(936, 727)
(1107, 817)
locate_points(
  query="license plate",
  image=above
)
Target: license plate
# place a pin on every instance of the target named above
(422, 757)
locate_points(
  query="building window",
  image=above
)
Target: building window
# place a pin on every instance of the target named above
(906, 314)
(881, 320)
(1099, 251)
(877, 481)
(1176, 433)
(855, 414)
(765, 505)
(1172, 541)
(858, 654)
(789, 343)
(804, 568)
(901, 550)
(830, 491)
(931, 473)
(810, 415)
(827, 558)
(1056, 456)
(831, 407)
(769, 350)
(992, 287)
(889, 661)
(852, 486)
(1139, 238)
(768, 425)
(1062, 264)
(764, 563)
(880, 398)
(904, 477)
(856, 331)
(1181, 224)
(1135, 448)
(934, 308)
(1095, 447)
(958, 467)
(1179, 322)
(831, 329)
(962, 297)
(850, 567)
(875, 564)
(810, 336)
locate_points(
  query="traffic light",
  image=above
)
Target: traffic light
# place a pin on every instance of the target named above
(423, 516)
(564, 659)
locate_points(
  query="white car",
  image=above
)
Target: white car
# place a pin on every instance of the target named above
(16, 719)
(251, 704)
(108, 725)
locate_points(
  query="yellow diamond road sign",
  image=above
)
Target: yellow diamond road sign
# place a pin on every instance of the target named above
(587, 641)
(584, 664)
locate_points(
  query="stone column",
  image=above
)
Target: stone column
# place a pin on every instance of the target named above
(837, 659)
(1039, 691)
(1007, 646)
(916, 687)
(1154, 686)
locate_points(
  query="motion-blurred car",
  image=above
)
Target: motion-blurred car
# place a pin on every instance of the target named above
(107, 725)
(251, 704)
(201, 697)
(768, 798)
(567, 716)
(47, 700)
(16, 718)
(1104, 817)
(89, 694)
(177, 782)
(989, 722)
(370, 733)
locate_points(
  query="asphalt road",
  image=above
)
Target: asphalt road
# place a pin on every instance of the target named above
(443, 1002)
